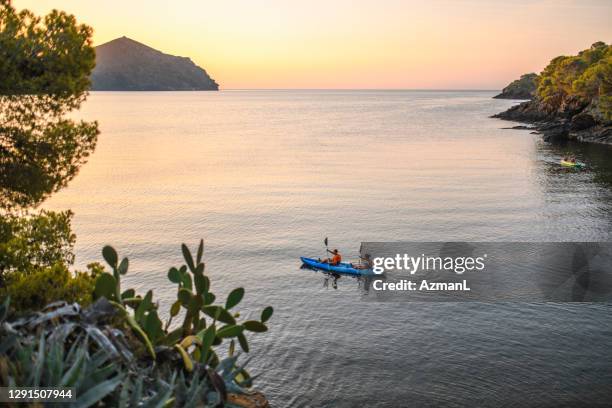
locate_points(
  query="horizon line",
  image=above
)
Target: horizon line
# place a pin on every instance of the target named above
(319, 89)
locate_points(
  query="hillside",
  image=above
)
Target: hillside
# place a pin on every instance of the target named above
(127, 65)
(522, 88)
(573, 100)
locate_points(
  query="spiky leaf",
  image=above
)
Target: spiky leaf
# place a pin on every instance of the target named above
(98, 392)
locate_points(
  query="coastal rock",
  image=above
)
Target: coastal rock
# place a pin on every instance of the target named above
(570, 107)
(520, 127)
(596, 134)
(127, 65)
(582, 121)
(522, 88)
(574, 120)
(252, 400)
(529, 112)
(554, 131)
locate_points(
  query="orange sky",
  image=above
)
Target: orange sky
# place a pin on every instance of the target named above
(437, 44)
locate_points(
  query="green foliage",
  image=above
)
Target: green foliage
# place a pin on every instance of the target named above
(44, 74)
(59, 348)
(33, 242)
(35, 252)
(266, 314)
(50, 284)
(205, 325)
(45, 65)
(587, 76)
(522, 88)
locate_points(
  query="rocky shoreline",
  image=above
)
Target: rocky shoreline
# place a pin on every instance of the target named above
(574, 120)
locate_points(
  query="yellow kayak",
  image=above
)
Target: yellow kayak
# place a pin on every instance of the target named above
(572, 164)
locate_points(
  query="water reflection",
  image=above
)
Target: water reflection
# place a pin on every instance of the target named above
(361, 283)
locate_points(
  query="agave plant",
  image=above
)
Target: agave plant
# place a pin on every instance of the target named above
(62, 356)
(63, 346)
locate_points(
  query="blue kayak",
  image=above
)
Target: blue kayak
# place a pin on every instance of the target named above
(344, 268)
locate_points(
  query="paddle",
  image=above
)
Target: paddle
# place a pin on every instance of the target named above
(326, 248)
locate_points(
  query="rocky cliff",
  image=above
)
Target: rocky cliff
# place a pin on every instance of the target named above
(127, 65)
(576, 120)
(573, 100)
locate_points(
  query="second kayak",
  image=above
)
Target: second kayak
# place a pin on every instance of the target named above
(572, 164)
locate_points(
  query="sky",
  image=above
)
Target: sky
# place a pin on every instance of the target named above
(343, 44)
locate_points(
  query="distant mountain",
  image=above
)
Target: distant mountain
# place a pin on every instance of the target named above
(127, 65)
(523, 88)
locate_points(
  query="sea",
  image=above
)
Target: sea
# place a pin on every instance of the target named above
(263, 176)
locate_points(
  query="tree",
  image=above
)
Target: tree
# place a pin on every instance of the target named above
(44, 74)
(587, 76)
(45, 65)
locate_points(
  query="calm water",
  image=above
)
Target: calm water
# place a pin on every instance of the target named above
(264, 176)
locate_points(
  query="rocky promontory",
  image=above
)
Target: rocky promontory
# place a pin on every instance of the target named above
(127, 65)
(522, 88)
(573, 100)
(575, 121)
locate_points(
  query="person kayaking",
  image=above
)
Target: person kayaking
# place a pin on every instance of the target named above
(335, 259)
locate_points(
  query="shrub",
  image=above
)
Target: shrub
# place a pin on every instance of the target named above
(46, 285)
(36, 241)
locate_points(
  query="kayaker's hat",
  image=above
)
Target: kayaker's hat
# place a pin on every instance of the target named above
(335, 251)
